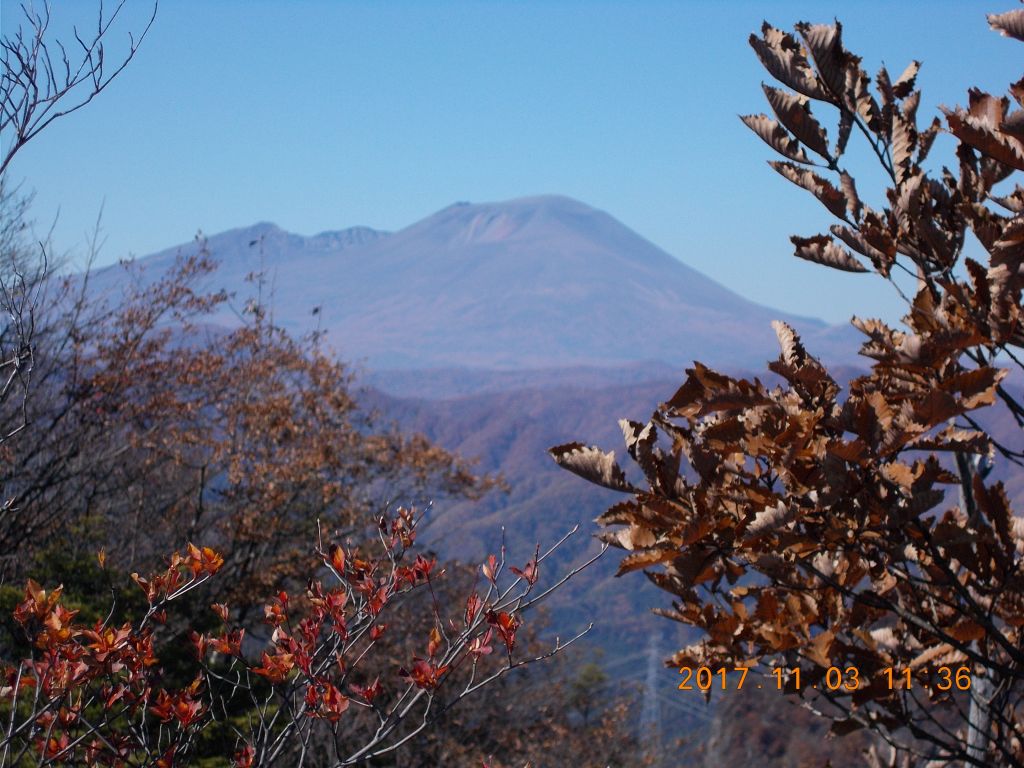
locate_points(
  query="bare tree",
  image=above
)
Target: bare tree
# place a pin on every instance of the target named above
(20, 281)
(43, 81)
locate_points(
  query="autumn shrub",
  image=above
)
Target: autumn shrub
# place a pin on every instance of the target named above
(316, 684)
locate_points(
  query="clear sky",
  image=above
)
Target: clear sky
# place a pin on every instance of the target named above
(324, 115)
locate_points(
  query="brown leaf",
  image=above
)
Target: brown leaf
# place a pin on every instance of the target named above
(926, 138)
(873, 249)
(934, 408)
(795, 113)
(822, 250)
(1017, 91)
(647, 557)
(630, 538)
(904, 146)
(821, 188)
(1014, 201)
(853, 451)
(849, 187)
(966, 631)
(820, 648)
(793, 352)
(905, 83)
(770, 519)
(1014, 125)
(775, 136)
(825, 44)
(1004, 310)
(899, 474)
(641, 440)
(976, 387)
(884, 583)
(727, 431)
(1009, 24)
(707, 391)
(623, 512)
(934, 653)
(860, 100)
(591, 464)
(781, 55)
(953, 439)
(979, 128)
(843, 134)
(884, 84)
(995, 504)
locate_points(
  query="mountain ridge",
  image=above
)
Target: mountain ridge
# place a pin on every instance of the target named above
(537, 282)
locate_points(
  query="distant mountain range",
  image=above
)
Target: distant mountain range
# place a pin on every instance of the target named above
(535, 283)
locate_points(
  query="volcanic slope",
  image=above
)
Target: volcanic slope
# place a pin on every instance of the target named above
(534, 283)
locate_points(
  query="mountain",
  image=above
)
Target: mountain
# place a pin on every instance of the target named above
(535, 283)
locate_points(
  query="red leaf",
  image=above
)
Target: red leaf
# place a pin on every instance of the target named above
(434, 643)
(337, 558)
(529, 572)
(506, 624)
(481, 646)
(370, 692)
(473, 604)
(490, 568)
(424, 674)
(245, 756)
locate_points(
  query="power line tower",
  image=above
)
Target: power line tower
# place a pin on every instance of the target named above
(650, 712)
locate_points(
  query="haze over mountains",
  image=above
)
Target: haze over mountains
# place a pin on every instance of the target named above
(535, 283)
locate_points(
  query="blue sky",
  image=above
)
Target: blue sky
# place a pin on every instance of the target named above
(324, 115)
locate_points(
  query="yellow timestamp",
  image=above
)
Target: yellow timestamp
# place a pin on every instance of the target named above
(944, 678)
